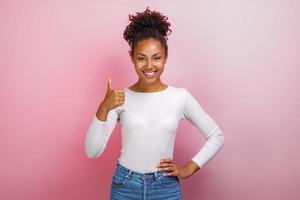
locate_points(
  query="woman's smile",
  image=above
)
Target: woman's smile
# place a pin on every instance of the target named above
(149, 59)
(150, 74)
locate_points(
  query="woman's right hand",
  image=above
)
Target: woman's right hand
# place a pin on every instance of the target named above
(113, 98)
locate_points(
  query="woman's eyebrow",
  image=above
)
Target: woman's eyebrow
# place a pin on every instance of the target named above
(153, 54)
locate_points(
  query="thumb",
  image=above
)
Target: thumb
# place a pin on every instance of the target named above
(109, 84)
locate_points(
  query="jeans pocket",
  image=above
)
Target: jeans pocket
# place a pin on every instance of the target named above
(119, 179)
(168, 181)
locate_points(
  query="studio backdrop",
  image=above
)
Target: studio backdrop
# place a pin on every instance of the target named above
(240, 59)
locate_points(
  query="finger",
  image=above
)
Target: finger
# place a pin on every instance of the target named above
(120, 91)
(120, 99)
(170, 174)
(166, 165)
(119, 103)
(166, 168)
(166, 160)
(120, 95)
(109, 84)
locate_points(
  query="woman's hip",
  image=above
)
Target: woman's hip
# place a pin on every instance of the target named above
(128, 184)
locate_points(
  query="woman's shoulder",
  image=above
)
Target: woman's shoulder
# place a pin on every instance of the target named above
(179, 92)
(179, 89)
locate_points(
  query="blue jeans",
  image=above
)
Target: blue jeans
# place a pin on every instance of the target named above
(130, 185)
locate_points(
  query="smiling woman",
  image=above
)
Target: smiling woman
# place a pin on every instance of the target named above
(147, 36)
(149, 60)
(149, 117)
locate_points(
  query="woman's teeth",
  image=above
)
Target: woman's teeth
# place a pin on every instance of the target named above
(150, 74)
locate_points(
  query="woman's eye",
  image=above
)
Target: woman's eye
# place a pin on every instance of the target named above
(157, 58)
(140, 58)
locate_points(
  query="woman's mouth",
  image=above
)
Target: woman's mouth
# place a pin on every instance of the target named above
(150, 74)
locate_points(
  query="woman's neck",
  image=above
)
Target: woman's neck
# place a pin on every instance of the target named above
(140, 87)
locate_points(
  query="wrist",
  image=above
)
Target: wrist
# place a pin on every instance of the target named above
(192, 167)
(102, 112)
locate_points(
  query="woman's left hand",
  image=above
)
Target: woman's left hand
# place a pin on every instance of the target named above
(174, 169)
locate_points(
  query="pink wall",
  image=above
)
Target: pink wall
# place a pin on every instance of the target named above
(239, 58)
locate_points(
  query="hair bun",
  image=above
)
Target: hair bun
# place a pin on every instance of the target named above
(151, 20)
(144, 21)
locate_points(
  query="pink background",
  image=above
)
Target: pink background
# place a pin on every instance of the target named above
(239, 58)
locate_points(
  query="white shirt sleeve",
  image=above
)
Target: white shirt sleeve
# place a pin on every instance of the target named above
(99, 133)
(195, 114)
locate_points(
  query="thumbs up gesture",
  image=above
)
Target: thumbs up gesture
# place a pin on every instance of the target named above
(113, 98)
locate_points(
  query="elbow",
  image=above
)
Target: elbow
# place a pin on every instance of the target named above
(89, 155)
(92, 149)
(92, 155)
(218, 135)
(221, 137)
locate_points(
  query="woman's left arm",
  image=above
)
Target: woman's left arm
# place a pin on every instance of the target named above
(215, 139)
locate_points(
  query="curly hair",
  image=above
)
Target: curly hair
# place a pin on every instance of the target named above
(148, 24)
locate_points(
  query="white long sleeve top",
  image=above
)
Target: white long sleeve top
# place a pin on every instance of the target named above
(149, 121)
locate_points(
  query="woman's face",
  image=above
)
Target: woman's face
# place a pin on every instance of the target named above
(149, 60)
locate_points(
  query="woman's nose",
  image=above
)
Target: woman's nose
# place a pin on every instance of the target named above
(148, 65)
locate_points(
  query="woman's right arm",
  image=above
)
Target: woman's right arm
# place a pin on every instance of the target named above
(100, 131)
(103, 122)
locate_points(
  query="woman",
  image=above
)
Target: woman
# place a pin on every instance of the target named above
(149, 116)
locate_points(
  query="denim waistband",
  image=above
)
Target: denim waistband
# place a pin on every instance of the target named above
(129, 172)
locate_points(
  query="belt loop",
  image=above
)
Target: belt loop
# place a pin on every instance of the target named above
(129, 174)
(155, 175)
